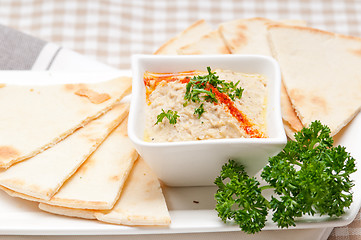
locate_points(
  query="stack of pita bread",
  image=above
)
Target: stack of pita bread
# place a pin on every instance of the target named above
(66, 147)
(321, 79)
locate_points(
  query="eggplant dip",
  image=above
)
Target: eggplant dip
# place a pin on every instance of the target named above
(198, 105)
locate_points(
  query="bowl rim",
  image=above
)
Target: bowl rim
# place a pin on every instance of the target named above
(282, 139)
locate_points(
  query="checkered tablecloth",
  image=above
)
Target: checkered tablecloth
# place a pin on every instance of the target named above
(110, 31)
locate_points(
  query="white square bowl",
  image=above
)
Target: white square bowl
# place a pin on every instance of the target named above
(198, 163)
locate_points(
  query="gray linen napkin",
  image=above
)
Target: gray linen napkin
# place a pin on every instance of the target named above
(18, 51)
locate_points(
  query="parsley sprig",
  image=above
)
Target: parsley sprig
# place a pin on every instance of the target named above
(240, 199)
(199, 110)
(199, 89)
(171, 115)
(308, 176)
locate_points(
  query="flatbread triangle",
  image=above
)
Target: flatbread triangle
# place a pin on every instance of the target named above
(321, 73)
(141, 202)
(35, 117)
(41, 176)
(188, 36)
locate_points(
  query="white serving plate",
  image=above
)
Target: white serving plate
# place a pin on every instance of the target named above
(191, 208)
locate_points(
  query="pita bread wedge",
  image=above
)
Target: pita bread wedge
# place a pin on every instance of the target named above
(97, 184)
(189, 35)
(42, 175)
(290, 132)
(249, 36)
(141, 202)
(69, 212)
(320, 73)
(211, 43)
(35, 117)
(289, 115)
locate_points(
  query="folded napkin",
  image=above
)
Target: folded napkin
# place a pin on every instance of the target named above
(19, 51)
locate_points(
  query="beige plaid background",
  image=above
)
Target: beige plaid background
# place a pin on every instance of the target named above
(110, 31)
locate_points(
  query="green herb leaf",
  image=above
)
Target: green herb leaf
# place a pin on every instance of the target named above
(171, 115)
(308, 176)
(240, 198)
(198, 89)
(199, 111)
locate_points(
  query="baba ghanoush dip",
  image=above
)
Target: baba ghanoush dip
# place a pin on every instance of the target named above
(200, 105)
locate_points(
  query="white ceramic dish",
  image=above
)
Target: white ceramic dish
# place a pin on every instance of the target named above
(197, 163)
(21, 217)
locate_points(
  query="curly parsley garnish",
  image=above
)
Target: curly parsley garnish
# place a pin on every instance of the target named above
(241, 198)
(308, 176)
(171, 115)
(199, 89)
